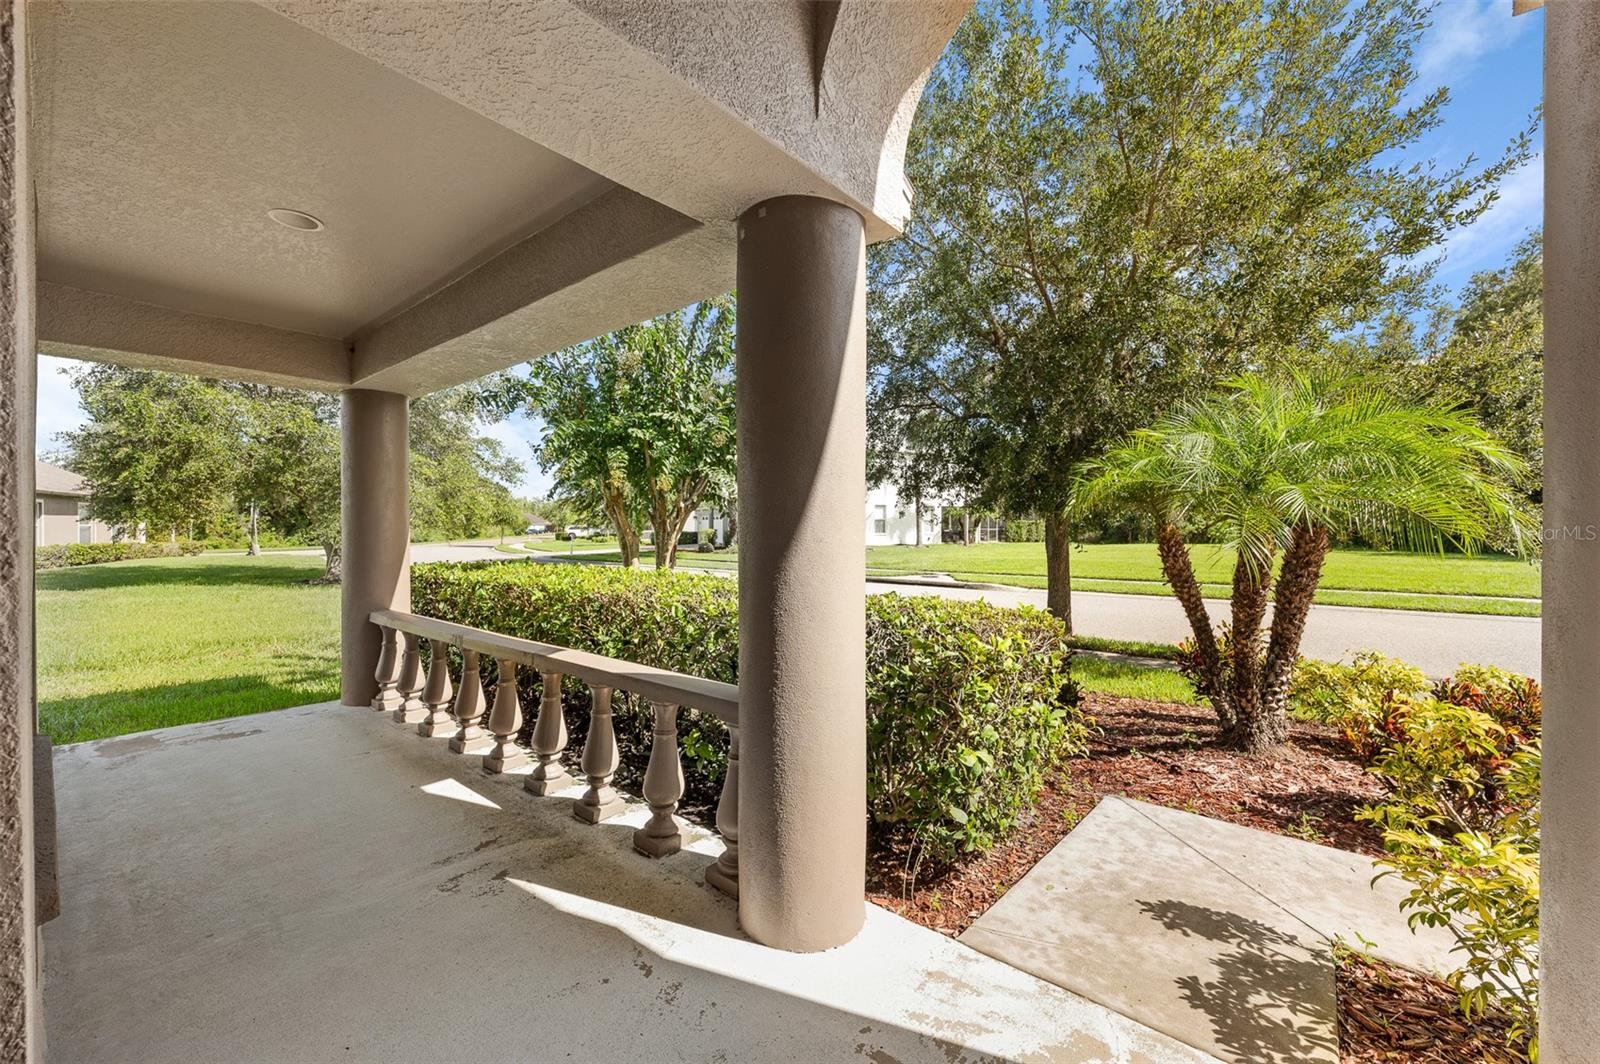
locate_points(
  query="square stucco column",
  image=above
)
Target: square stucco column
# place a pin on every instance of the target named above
(376, 530)
(21, 1023)
(1569, 919)
(802, 619)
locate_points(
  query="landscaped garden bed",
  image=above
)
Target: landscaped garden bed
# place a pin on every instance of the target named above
(1163, 753)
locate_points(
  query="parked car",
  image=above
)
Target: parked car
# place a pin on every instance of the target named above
(580, 532)
(538, 528)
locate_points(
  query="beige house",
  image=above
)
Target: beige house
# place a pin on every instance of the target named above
(61, 509)
(382, 199)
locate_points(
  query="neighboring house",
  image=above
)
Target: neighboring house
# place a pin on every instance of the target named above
(892, 520)
(61, 508)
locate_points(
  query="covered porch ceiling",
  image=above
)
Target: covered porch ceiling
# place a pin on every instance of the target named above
(492, 182)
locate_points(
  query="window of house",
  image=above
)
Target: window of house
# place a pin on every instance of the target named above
(85, 526)
(880, 520)
(38, 519)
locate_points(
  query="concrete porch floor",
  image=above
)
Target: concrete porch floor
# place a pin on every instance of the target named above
(320, 883)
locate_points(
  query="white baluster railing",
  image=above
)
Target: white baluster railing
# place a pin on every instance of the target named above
(667, 693)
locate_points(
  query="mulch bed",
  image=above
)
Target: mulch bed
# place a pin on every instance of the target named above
(1162, 753)
(1157, 752)
(1388, 1015)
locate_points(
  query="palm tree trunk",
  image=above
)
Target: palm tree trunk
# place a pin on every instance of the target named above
(1297, 587)
(1244, 658)
(1058, 567)
(1179, 571)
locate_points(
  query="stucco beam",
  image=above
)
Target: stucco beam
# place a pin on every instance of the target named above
(96, 327)
(705, 107)
(617, 260)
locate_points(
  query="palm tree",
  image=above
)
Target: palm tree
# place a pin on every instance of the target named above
(1283, 465)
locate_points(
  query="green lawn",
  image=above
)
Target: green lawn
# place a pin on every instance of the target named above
(1484, 584)
(1111, 677)
(148, 644)
(1392, 580)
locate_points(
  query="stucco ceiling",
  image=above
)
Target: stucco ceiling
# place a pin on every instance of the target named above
(164, 132)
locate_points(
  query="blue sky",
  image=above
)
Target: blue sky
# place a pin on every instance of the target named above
(1491, 62)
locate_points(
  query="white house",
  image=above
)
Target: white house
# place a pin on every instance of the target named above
(887, 519)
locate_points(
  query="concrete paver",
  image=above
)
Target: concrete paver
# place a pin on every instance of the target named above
(1215, 934)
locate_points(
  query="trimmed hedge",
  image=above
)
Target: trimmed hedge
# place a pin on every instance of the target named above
(1023, 530)
(968, 704)
(62, 555)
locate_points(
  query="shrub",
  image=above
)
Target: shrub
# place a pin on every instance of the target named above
(964, 700)
(969, 705)
(1023, 530)
(1461, 825)
(1473, 865)
(1329, 692)
(62, 555)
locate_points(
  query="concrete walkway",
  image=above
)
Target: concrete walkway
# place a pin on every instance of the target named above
(1215, 934)
(322, 884)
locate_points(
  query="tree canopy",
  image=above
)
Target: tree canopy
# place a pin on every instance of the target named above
(1118, 203)
(641, 422)
(173, 452)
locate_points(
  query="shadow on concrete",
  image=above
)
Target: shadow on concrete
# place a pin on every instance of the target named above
(1264, 976)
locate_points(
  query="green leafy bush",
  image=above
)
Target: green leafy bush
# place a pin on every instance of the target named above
(1468, 844)
(62, 555)
(1023, 530)
(964, 700)
(1329, 692)
(969, 705)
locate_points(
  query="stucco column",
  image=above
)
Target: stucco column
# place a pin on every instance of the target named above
(375, 515)
(802, 622)
(1569, 923)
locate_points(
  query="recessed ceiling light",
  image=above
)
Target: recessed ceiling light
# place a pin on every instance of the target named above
(295, 220)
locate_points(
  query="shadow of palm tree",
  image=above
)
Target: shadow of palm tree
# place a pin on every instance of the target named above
(1266, 984)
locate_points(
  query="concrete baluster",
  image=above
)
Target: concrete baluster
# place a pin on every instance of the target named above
(663, 786)
(470, 706)
(549, 740)
(600, 801)
(412, 680)
(724, 874)
(436, 693)
(505, 720)
(387, 673)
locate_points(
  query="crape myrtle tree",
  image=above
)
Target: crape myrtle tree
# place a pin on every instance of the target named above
(1274, 469)
(641, 421)
(1119, 203)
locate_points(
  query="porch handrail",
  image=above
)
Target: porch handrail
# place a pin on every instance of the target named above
(423, 695)
(657, 685)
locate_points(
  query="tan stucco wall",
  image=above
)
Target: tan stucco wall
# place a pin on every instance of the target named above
(20, 1026)
(58, 523)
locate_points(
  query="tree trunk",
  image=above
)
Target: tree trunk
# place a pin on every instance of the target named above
(1058, 567)
(1297, 587)
(616, 508)
(668, 527)
(1179, 571)
(966, 526)
(1244, 658)
(255, 532)
(333, 563)
(919, 518)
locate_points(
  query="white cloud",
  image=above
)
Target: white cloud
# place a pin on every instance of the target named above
(1486, 242)
(1463, 32)
(58, 409)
